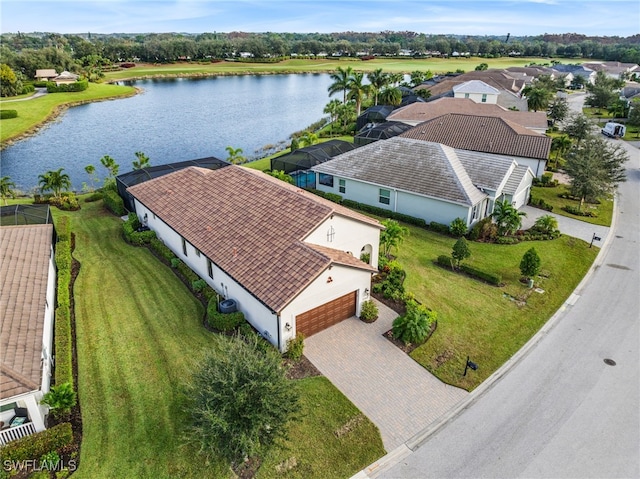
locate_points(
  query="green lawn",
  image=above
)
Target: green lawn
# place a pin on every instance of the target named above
(604, 210)
(139, 334)
(480, 320)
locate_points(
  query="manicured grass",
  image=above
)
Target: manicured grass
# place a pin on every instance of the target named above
(480, 320)
(604, 210)
(313, 440)
(32, 113)
(139, 334)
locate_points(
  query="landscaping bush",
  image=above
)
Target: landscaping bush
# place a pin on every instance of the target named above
(36, 445)
(113, 202)
(490, 278)
(295, 347)
(540, 203)
(134, 237)
(507, 240)
(222, 321)
(439, 227)
(63, 256)
(530, 264)
(63, 229)
(66, 202)
(163, 250)
(329, 196)
(62, 332)
(460, 251)
(198, 285)
(6, 114)
(40, 83)
(390, 281)
(187, 272)
(93, 197)
(484, 230)
(385, 213)
(80, 85)
(369, 311)
(415, 325)
(28, 88)
(445, 261)
(576, 211)
(60, 398)
(458, 228)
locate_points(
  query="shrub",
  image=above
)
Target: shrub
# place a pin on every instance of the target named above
(530, 264)
(187, 272)
(80, 85)
(62, 326)
(229, 420)
(134, 237)
(329, 196)
(490, 278)
(40, 83)
(60, 398)
(546, 224)
(63, 228)
(540, 203)
(439, 227)
(37, 445)
(162, 250)
(484, 230)
(460, 251)
(6, 114)
(198, 285)
(295, 347)
(392, 280)
(445, 261)
(63, 255)
(222, 321)
(576, 211)
(369, 311)
(28, 89)
(93, 197)
(458, 228)
(385, 213)
(66, 202)
(415, 325)
(175, 262)
(113, 202)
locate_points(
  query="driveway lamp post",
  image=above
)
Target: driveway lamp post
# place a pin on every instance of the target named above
(469, 365)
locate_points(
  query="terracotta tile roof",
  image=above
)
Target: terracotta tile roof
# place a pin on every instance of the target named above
(442, 106)
(425, 168)
(482, 133)
(249, 224)
(24, 268)
(499, 79)
(342, 257)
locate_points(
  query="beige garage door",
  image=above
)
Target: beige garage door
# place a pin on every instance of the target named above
(322, 317)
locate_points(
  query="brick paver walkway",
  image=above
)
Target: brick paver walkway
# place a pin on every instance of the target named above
(390, 388)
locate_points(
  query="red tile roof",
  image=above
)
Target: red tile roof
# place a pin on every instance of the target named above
(249, 224)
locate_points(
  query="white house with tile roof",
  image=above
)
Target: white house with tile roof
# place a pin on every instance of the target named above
(289, 259)
(426, 180)
(27, 302)
(477, 91)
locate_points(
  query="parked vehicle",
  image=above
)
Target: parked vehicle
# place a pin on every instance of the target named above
(614, 130)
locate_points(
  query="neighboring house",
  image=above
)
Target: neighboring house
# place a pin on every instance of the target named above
(572, 71)
(486, 134)
(613, 69)
(476, 90)
(426, 180)
(27, 303)
(373, 115)
(288, 258)
(66, 77)
(46, 75)
(420, 112)
(381, 131)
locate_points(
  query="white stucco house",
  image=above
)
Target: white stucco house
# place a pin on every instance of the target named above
(426, 180)
(27, 303)
(289, 259)
(478, 91)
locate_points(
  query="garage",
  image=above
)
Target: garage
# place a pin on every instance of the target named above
(325, 316)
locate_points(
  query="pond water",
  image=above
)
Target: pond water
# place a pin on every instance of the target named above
(172, 120)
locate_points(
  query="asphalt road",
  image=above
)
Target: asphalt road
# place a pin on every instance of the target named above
(560, 411)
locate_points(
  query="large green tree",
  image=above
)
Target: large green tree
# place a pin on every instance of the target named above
(538, 99)
(391, 96)
(558, 110)
(603, 91)
(579, 127)
(341, 79)
(357, 91)
(596, 167)
(10, 83)
(378, 80)
(55, 181)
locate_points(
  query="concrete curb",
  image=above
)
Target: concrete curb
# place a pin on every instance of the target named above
(391, 459)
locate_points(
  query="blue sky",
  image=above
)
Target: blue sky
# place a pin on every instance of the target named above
(518, 17)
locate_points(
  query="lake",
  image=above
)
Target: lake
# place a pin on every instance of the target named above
(171, 120)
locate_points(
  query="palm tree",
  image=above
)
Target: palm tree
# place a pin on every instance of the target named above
(341, 78)
(396, 78)
(6, 188)
(235, 155)
(507, 217)
(560, 144)
(111, 165)
(55, 181)
(141, 162)
(346, 113)
(378, 81)
(357, 91)
(538, 99)
(91, 171)
(391, 96)
(307, 139)
(332, 110)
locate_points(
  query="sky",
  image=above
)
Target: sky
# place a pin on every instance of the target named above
(517, 17)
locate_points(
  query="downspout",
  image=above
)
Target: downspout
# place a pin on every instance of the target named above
(278, 323)
(395, 201)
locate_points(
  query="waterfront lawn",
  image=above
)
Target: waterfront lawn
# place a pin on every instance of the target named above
(31, 113)
(480, 320)
(139, 334)
(604, 210)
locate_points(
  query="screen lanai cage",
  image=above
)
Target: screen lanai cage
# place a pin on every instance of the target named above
(135, 177)
(373, 115)
(299, 162)
(383, 131)
(25, 215)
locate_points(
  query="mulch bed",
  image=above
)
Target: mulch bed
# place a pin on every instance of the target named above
(408, 348)
(301, 369)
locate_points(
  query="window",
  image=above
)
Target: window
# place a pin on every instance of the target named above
(474, 212)
(326, 180)
(484, 98)
(466, 95)
(197, 252)
(210, 268)
(385, 196)
(331, 233)
(184, 247)
(342, 186)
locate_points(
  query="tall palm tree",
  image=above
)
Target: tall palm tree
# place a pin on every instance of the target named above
(341, 78)
(538, 99)
(378, 81)
(508, 218)
(391, 96)
(561, 145)
(141, 162)
(6, 188)
(235, 155)
(111, 165)
(396, 78)
(357, 91)
(331, 109)
(55, 181)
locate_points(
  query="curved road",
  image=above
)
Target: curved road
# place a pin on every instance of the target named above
(561, 411)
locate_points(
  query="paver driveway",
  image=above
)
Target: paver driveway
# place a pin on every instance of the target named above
(395, 392)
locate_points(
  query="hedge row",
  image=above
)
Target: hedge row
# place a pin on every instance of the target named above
(491, 278)
(62, 325)
(385, 213)
(64, 360)
(329, 196)
(540, 203)
(6, 114)
(63, 228)
(134, 237)
(223, 321)
(162, 249)
(578, 212)
(113, 202)
(36, 445)
(80, 85)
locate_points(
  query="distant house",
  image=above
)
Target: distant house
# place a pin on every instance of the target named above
(486, 134)
(476, 90)
(27, 302)
(426, 180)
(66, 77)
(373, 115)
(613, 69)
(380, 131)
(45, 75)
(289, 259)
(572, 71)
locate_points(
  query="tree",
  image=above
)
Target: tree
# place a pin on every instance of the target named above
(558, 110)
(341, 78)
(346, 113)
(530, 264)
(10, 83)
(111, 166)
(595, 167)
(560, 144)
(6, 188)
(235, 155)
(391, 96)
(418, 77)
(482, 67)
(357, 91)
(507, 217)
(93, 179)
(602, 92)
(54, 181)
(618, 108)
(240, 399)
(579, 127)
(538, 98)
(378, 81)
(634, 116)
(391, 236)
(395, 78)
(332, 109)
(141, 162)
(281, 175)
(460, 251)
(308, 138)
